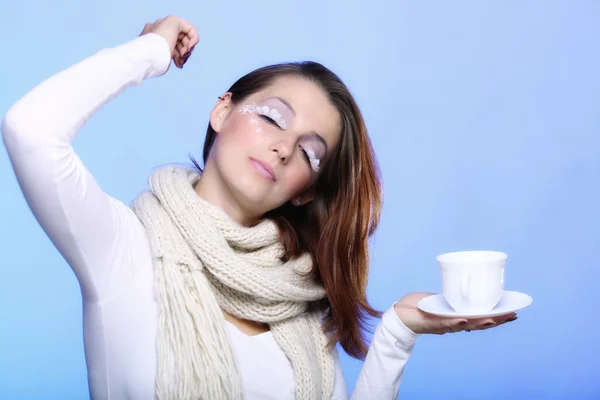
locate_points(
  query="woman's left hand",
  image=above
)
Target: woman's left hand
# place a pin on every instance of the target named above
(421, 322)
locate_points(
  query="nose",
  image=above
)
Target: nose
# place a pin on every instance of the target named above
(283, 149)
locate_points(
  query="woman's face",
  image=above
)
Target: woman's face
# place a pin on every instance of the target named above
(269, 147)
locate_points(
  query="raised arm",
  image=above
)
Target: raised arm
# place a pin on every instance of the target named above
(84, 223)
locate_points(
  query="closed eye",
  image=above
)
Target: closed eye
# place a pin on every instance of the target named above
(270, 120)
(305, 154)
(311, 158)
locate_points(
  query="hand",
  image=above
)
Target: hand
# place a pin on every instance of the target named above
(421, 322)
(180, 34)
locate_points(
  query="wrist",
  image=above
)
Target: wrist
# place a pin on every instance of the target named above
(157, 53)
(396, 331)
(406, 317)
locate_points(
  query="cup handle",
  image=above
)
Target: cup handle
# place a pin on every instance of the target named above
(464, 287)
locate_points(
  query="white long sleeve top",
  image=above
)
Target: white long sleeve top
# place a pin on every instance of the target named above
(106, 246)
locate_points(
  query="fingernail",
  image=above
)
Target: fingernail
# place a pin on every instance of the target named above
(462, 323)
(488, 324)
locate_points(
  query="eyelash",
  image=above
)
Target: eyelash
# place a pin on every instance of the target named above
(311, 158)
(270, 120)
(306, 157)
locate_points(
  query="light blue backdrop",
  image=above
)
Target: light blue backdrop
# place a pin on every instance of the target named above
(484, 115)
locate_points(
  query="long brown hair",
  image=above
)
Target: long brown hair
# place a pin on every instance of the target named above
(335, 227)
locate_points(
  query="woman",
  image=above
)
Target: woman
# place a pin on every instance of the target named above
(232, 282)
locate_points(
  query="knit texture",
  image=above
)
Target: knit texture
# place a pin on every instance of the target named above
(204, 263)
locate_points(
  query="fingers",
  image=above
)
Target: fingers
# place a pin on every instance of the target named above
(480, 325)
(182, 55)
(188, 38)
(184, 46)
(506, 318)
(486, 323)
(191, 33)
(179, 33)
(453, 325)
(177, 60)
(450, 325)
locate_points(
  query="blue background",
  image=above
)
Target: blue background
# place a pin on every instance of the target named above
(484, 116)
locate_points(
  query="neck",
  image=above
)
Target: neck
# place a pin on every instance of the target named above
(212, 189)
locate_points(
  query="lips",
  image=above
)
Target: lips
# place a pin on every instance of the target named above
(264, 169)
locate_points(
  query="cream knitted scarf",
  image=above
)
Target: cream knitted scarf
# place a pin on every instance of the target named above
(205, 263)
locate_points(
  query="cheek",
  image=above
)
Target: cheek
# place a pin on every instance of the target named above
(241, 131)
(298, 179)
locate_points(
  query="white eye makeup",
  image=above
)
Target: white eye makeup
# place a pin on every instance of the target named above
(273, 110)
(314, 149)
(312, 158)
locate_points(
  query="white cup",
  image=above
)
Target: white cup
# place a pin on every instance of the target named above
(472, 281)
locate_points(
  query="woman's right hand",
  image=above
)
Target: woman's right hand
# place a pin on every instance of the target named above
(179, 33)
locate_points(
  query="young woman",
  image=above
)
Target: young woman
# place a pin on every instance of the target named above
(237, 280)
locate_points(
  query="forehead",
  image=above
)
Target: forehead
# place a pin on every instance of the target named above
(313, 110)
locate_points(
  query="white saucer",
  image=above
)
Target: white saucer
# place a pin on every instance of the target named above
(510, 302)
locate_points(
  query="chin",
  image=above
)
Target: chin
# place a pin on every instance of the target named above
(248, 190)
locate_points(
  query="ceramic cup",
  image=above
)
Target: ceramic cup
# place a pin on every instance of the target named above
(472, 281)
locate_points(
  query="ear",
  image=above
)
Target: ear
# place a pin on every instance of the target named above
(220, 111)
(304, 198)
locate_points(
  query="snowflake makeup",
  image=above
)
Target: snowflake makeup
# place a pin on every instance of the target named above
(265, 111)
(247, 109)
(254, 121)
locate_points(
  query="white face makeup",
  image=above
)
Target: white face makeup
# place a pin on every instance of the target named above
(312, 157)
(274, 112)
(266, 111)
